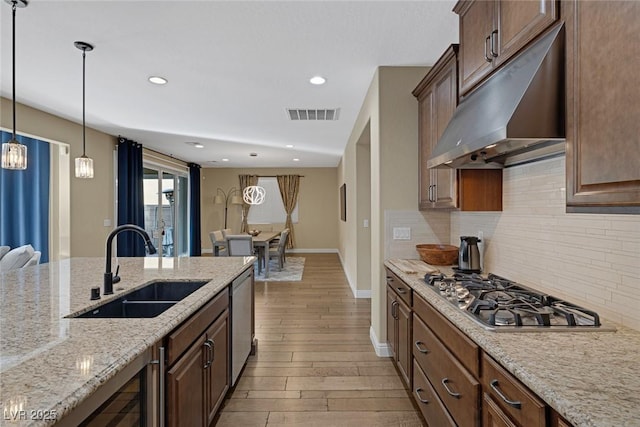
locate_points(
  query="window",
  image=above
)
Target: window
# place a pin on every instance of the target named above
(272, 210)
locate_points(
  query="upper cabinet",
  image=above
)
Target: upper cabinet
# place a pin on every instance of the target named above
(437, 97)
(446, 188)
(603, 114)
(492, 31)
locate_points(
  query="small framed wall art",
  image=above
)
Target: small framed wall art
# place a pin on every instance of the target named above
(343, 202)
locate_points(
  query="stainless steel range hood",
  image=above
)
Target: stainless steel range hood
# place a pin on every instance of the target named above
(516, 116)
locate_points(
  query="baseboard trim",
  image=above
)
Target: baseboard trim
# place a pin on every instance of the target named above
(363, 293)
(381, 349)
(312, 251)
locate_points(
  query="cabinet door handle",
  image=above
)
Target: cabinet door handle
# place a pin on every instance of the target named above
(207, 344)
(451, 393)
(494, 52)
(421, 348)
(434, 193)
(401, 291)
(512, 403)
(213, 349)
(389, 279)
(418, 390)
(486, 51)
(161, 398)
(394, 309)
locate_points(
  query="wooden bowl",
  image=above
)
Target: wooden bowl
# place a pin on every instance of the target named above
(438, 254)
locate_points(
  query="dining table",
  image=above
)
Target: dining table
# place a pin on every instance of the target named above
(261, 243)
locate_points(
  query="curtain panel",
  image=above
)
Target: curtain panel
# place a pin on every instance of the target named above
(130, 196)
(24, 199)
(246, 181)
(195, 239)
(289, 188)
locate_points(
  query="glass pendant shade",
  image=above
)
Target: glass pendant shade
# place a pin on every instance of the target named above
(14, 155)
(84, 167)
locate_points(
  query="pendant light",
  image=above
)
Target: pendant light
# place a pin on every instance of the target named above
(14, 154)
(253, 195)
(84, 164)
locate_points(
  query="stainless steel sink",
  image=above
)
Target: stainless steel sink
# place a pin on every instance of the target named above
(148, 301)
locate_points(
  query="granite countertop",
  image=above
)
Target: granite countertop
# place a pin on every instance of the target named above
(590, 378)
(52, 363)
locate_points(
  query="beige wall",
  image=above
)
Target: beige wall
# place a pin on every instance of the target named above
(92, 200)
(318, 215)
(589, 259)
(390, 111)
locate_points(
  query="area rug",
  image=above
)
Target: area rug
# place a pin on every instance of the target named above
(292, 271)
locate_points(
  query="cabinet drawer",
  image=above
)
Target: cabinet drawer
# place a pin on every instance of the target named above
(458, 343)
(399, 287)
(511, 396)
(180, 339)
(455, 386)
(428, 401)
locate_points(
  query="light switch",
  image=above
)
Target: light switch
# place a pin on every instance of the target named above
(401, 233)
(107, 223)
(365, 223)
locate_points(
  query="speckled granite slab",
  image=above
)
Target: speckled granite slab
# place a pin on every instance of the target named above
(590, 378)
(51, 363)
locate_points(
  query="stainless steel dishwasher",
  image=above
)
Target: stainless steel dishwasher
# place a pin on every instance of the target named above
(241, 318)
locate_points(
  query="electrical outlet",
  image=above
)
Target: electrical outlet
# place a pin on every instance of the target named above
(401, 233)
(365, 223)
(107, 223)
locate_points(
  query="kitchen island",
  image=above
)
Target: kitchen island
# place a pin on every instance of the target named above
(50, 364)
(588, 377)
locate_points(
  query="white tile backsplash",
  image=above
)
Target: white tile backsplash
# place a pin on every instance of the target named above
(426, 227)
(589, 259)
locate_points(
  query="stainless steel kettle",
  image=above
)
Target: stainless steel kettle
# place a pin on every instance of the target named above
(469, 255)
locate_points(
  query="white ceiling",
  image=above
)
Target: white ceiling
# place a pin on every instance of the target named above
(233, 68)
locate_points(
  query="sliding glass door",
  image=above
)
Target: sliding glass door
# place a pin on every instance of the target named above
(165, 210)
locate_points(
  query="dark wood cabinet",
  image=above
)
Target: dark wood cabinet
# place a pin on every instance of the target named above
(446, 188)
(603, 114)
(399, 328)
(437, 97)
(492, 31)
(509, 398)
(217, 375)
(455, 387)
(492, 415)
(185, 389)
(198, 377)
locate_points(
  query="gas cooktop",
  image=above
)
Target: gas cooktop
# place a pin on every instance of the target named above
(499, 304)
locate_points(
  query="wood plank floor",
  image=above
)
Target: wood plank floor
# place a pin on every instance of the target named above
(315, 364)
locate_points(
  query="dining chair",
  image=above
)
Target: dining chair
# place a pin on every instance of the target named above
(278, 252)
(276, 242)
(239, 245)
(218, 243)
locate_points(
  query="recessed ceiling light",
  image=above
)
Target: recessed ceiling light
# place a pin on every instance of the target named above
(195, 144)
(157, 80)
(491, 146)
(296, 160)
(317, 80)
(225, 160)
(289, 146)
(253, 154)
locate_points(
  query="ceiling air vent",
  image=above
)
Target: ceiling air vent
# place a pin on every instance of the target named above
(313, 114)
